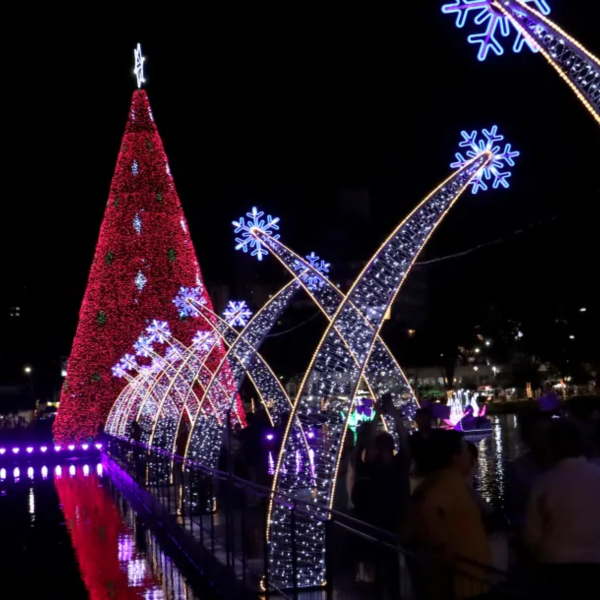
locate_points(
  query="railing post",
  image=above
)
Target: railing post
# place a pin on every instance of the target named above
(265, 502)
(294, 553)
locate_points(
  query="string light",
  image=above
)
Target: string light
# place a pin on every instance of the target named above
(133, 279)
(334, 373)
(578, 67)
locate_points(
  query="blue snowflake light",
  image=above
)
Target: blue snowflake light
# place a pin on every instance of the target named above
(237, 313)
(474, 145)
(188, 299)
(313, 282)
(247, 242)
(143, 346)
(128, 363)
(158, 331)
(119, 370)
(203, 340)
(492, 23)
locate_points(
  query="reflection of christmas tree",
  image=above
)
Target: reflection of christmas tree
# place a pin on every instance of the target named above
(144, 254)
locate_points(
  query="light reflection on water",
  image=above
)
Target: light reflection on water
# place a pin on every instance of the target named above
(114, 555)
(495, 451)
(113, 550)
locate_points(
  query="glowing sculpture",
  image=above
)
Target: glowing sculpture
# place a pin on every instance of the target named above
(187, 299)
(575, 65)
(335, 372)
(383, 374)
(502, 158)
(237, 313)
(313, 282)
(492, 22)
(247, 241)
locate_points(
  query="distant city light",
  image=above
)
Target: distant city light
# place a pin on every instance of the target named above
(571, 337)
(63, 373)
(475, 368)
(27, 370)
(583, 309)
(488, 343)
(477, 350)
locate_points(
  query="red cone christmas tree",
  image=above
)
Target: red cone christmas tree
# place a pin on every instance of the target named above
(144, 254)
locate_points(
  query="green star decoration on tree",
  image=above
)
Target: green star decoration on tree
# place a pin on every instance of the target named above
(159, 197)
(171, 254)
(102, 318)
(109, 258)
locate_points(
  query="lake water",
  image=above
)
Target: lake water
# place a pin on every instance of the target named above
(68, 533)
(495, 450)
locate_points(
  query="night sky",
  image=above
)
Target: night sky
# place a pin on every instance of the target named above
(282, 109)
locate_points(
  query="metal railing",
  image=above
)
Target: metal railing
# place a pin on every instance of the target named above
(225, 518)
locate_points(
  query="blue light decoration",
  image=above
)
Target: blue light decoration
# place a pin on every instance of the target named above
(237, 314)
(119, 370)
(204, 340)
(313, 282)
(475, 144)
(493, 24)
(187, 299)
(158, 331)
(128, 363)
(247, 242)
(143, 346)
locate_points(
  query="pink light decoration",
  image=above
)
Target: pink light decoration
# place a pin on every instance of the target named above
(17, 473)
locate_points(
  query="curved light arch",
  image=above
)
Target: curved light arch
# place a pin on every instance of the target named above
(566, 55)
(328, 298)
(346, 335)
(204, 440)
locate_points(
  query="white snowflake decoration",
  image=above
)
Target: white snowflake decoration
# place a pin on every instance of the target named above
(237, 313)
(501, 159)
(128, 362)
(134, 167)
(188, 299)
(183, 225)
(140, 281)
(204, 340)
(143, 346)
(312, 280)
(158, 331)
(137, 224)
(119, 371)
(248, 241)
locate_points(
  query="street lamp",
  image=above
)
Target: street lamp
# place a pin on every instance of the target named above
(27, 370)
(583, 309)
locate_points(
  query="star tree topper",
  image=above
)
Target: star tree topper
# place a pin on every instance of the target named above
(139, 65)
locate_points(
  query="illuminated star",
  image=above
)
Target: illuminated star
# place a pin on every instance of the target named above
(139, 66)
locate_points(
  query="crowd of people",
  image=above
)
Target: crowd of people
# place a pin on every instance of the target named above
(457, 545)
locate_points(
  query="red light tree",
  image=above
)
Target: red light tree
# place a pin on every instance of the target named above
(144, 254)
